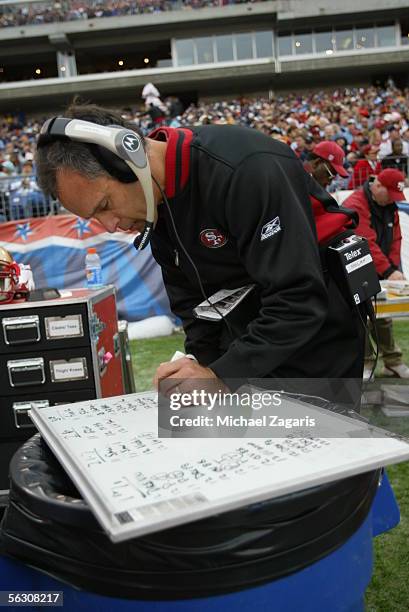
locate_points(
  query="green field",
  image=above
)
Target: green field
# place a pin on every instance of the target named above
(389, 589)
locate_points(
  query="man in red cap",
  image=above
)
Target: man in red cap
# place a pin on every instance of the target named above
(326, 161)
(379, 224)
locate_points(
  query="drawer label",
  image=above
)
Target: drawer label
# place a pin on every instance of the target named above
(62, 370)
(64, 327)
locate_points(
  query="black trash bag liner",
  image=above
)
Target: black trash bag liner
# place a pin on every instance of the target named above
(4, 498)
(49, 526)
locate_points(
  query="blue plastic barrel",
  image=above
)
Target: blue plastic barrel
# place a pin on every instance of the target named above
(336, 583)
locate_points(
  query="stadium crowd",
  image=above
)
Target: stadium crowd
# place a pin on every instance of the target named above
(71, 10)
(370, 124)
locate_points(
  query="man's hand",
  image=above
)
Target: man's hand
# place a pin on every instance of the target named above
(396, 275)
(185, 375)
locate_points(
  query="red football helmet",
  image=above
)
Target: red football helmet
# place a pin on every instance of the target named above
(9, 278)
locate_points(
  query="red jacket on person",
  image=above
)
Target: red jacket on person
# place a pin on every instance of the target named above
(328, 225)
(385, 264)
(363, 169)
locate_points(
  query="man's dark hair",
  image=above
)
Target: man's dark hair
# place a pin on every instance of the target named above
(74, 155)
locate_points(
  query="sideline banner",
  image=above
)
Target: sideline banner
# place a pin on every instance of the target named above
(55, 247)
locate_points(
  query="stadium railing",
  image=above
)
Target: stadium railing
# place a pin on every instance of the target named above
(358, 177)
(400, 162)
(20, 198)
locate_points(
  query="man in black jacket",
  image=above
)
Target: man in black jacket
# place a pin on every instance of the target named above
(239, 203)
(397, 159)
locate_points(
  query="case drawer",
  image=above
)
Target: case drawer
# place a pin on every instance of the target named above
(53, 371)
(21, 330)
(43, 328)
(15, 420)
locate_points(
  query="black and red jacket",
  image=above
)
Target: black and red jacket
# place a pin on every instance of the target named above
(330, 219)
(240, 202)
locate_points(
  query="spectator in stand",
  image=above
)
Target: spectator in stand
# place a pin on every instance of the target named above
(379, 224)
(391, 134)
(359, 143)
(8, 170)
(15, 160)
(364, 168)
(316, 134)
(26, 178)
(375, 137)
(298, 146)
(309, 145)
(5, 174)
(330, 132)
(351, 159)
(175, 107)
(396, 160)
(155, 107)
(405, 140)
(344, 129)
(341, 142)
(151, 95)
(25, 197)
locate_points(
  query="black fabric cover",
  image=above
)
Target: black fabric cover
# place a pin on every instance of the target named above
(4, 498)
(50, 527)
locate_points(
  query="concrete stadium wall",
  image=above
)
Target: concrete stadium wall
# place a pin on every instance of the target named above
(32, 42)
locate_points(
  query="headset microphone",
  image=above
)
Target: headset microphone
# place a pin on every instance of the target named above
(118, 150)
(143, 239)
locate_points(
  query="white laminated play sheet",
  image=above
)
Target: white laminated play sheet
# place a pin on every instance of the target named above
(137, 483)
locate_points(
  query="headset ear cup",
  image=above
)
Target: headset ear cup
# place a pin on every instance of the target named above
(113, 164)
(54, 129)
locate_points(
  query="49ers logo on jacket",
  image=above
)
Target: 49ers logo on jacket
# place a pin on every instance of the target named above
(212, 238)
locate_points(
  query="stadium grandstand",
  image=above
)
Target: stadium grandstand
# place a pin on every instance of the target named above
(367, 123)
(108, 50)
(213, 62)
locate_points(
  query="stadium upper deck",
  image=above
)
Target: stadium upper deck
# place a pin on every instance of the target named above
(231, 49)
(34, 12)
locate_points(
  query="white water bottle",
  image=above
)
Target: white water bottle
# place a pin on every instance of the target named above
(93, 269)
